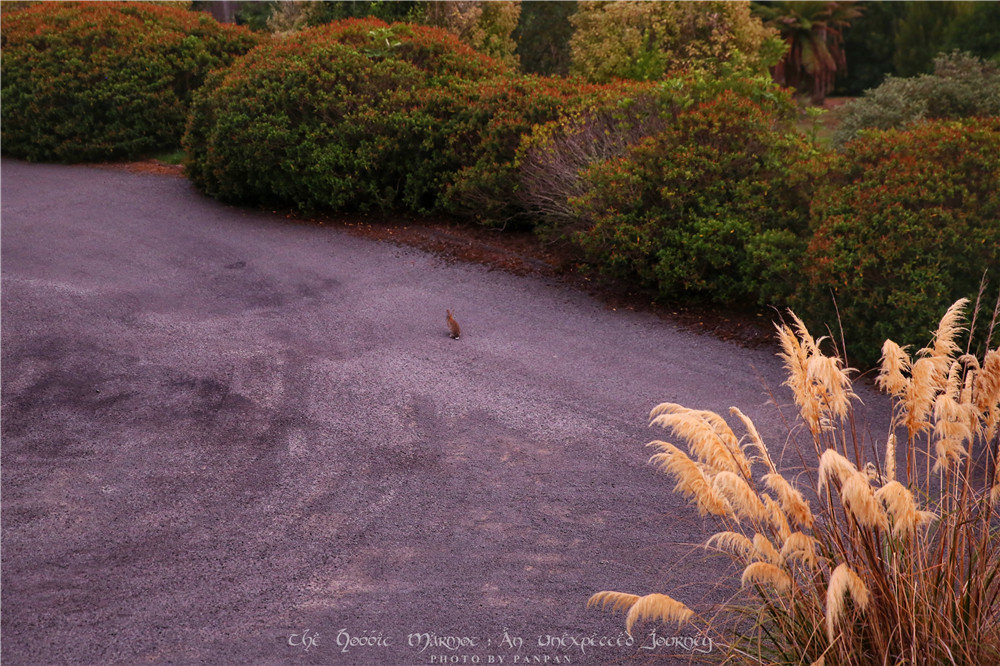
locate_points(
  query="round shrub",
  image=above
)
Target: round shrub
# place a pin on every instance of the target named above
(713, 206)
(301, 125)
(961, 86)
(908, 223)
(603, 122)
(432, 50)
(481, 125)
(361, 114)
(96, 81)
(327, 118)
(695, 188)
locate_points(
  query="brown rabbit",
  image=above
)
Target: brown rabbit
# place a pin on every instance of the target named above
(453, 328)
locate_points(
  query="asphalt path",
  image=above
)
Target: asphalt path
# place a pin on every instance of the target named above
(229, 438)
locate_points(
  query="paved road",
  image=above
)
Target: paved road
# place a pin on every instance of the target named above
(221, 429)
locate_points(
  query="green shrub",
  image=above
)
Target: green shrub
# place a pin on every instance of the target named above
(603, 123)
(910, 219)
(98, 81)
(485, 26)
(324, 118)
(479, 127)
(697, 188)
(361, 115)
(961, 86)
(646, 41)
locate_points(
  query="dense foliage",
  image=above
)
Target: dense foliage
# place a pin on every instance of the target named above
(908, 221)
(922, 33)
(362, 115)
(478, 127)
(542, 36)
(694, 187)
(961, 86)
(712, 207)
(977, 31)
(97, 81)
(485, 26)
(648, 40)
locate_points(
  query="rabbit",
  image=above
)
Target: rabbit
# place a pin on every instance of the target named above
(454, 330)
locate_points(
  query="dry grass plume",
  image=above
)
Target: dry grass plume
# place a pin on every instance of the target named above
(897, 558)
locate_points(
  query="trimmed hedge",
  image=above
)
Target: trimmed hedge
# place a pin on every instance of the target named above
(87, 81)
(909, 221)
(360, 115)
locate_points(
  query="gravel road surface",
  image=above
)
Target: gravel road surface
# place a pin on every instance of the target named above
(228, 438)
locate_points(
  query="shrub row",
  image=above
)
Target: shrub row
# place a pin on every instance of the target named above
(95, 81)
(696, 187)
(361, 114)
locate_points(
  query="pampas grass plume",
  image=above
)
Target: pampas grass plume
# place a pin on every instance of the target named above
(802, 547)
(843, 580)
(719, 450)
(766, 550)
(832, 465)
(741, 496)
(895, 361)
(733, 543)
(948, 329)
(919, 396)
(792, 501)
(858, 499)
(777, 516)
(615, 600)
(826, 372)
(656, 607)
(768, 574)
(986, 390)
(900, 504)
(755, 438)
(691, 481)
(890, 458)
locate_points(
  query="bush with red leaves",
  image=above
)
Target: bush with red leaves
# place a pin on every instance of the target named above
(87, 81)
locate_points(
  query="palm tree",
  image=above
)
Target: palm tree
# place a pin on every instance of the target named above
(814, 34)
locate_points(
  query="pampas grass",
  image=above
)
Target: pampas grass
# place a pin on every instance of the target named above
(765, 573)
(732, 542)
(843, 581)
(650, 607)
(691, 480)
(882, 566)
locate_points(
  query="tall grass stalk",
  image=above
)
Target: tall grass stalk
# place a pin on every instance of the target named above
(897, 557)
